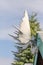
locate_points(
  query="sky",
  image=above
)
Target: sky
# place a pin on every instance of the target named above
(11, 13)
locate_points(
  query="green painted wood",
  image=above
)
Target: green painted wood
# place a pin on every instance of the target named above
(40, 48)
(40, 45)
(35, 60)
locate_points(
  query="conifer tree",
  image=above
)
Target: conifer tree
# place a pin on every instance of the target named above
(24, 55)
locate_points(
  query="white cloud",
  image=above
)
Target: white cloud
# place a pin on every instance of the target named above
(14, 5)
(37, 5)
(4, 33)
(5, 61)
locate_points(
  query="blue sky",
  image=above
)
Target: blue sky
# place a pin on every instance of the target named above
(11, 12)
